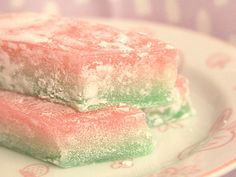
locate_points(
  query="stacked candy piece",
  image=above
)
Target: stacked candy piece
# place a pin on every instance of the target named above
(75, 92)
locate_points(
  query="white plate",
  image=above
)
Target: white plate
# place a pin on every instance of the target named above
(204, 145)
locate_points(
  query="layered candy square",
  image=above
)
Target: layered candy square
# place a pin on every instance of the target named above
(60, 135)
(84, 65)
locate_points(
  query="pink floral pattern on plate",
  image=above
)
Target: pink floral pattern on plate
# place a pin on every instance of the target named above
(183, 171)
(34, 170)
(222, 133)
(218, 60)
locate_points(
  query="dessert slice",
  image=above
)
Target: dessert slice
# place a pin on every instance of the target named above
(179, 109)
(84, 65)
(62, 136)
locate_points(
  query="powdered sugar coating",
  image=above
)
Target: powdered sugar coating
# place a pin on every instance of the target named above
(85, 65)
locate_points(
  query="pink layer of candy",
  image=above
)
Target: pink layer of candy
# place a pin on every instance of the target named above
(49, 35)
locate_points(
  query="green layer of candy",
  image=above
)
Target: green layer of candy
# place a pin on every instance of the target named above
(122, 151)
(156, 116)
(76, 157)
(159, 96)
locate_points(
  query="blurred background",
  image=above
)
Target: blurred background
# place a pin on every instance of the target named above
(213, 17)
